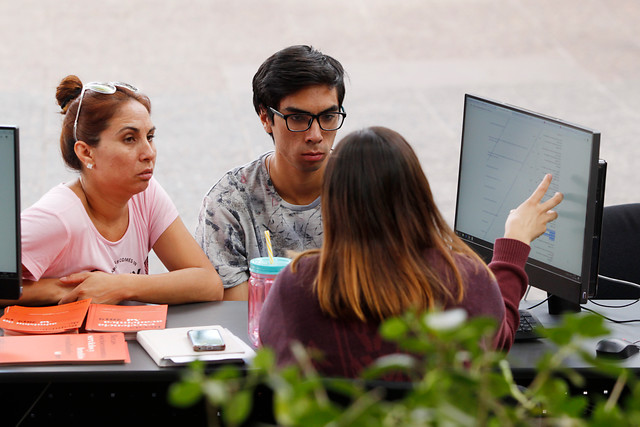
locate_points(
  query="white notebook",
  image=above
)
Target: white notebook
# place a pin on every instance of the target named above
(172, 347)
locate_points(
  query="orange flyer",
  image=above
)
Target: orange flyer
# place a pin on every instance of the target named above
(126, 318)
(45, 320)
(64, 348)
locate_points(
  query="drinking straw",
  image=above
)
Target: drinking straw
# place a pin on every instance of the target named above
(269, 248)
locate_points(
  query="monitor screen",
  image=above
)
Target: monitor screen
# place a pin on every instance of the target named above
(505, 153)
(10, 264)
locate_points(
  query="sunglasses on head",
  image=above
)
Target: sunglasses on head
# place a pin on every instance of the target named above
(104, 88)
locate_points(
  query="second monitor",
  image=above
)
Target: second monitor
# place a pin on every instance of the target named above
(505, 153)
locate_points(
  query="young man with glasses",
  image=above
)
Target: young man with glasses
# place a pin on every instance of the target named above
(298, 94)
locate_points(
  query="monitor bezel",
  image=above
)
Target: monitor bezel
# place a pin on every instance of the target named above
(10, 282)
(540, 275)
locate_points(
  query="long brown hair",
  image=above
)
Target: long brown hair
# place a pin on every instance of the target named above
(379, 218)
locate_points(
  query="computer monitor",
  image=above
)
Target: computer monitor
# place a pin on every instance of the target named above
(10, 261)
(505, 153)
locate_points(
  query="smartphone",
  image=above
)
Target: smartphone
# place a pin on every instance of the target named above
(206, 339)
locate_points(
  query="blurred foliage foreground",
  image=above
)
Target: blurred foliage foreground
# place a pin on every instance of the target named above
(454, 381)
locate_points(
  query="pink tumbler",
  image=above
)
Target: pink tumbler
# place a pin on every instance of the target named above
(262, 274)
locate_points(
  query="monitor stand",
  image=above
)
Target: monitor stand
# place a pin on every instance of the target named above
(559, 305)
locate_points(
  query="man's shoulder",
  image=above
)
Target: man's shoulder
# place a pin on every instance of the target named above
(242, 177)
(243, 192)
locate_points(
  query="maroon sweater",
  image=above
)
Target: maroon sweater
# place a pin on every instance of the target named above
(291, 311)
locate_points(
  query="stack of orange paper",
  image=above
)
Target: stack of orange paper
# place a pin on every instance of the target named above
(126, 318)
(64, 318)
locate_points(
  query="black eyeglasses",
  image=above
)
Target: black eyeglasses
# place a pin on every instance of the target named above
(300, 122)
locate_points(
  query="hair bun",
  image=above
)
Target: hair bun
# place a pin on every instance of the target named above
(69, 89)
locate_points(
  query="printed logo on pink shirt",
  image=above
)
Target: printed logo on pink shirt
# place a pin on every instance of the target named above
(126, 265)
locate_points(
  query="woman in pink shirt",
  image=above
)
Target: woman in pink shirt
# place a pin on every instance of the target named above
(90, 238)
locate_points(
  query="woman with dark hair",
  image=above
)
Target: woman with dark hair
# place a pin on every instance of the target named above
(90, 238)
(387, 249)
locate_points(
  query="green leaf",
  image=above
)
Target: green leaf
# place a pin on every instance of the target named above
(227, 372)
(591, 326)
(345, 386)
(184, 394)
(238, 408)
(393, 329)
(607, 417)
(265, 359)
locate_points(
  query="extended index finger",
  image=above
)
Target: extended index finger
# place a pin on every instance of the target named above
(539, 192)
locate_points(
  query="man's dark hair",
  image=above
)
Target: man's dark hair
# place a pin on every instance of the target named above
(292, 69)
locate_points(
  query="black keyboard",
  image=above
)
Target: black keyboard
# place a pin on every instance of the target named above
(528, 324)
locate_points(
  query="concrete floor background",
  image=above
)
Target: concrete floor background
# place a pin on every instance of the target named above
(409, 62)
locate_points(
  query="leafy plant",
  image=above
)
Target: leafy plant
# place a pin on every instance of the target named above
(454, 381)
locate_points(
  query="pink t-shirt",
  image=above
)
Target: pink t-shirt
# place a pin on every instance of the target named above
(58, 237)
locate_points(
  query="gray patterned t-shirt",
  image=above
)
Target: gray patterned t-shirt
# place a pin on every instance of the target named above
(236, 212)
